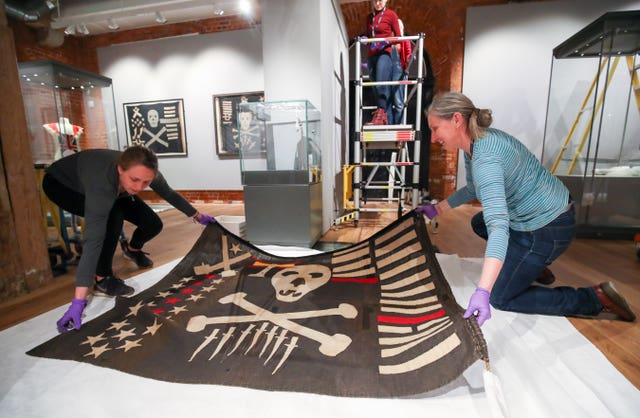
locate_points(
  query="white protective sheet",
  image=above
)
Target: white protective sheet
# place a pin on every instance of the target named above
(541, 367)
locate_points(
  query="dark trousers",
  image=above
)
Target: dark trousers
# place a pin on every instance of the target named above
(129, 208)
(528, 253)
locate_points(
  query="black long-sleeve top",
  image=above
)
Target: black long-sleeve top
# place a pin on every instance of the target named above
(94, 174)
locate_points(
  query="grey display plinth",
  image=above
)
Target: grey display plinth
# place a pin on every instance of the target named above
(284, 214)
(594, 213)
(281, 169)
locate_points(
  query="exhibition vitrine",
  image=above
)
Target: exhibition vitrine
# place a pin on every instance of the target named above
(66, 107)
(592, 133)
(280, 160)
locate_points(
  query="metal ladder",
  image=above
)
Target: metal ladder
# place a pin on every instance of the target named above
(371, 138)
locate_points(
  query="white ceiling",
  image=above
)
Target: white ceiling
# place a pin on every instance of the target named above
(97, 15)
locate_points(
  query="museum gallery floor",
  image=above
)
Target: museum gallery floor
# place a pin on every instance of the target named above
(371, 329)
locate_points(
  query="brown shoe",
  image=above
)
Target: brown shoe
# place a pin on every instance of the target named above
(379, 118)
(614, 302)
(546, 277)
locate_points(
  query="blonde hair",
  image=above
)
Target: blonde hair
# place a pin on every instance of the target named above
(444, 105)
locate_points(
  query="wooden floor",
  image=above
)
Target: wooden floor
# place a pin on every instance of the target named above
(587, 262)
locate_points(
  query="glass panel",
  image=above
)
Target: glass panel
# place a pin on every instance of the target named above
(67, 109)
(290, 151)
(592, 133)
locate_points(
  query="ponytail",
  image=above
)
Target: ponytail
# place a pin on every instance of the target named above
(446, 104)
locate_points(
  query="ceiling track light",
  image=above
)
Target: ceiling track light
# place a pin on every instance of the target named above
(160, 18)
(218, 11)
(112, 24)
(244, 6)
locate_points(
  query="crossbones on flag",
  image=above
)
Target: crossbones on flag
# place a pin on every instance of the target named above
(376, 319)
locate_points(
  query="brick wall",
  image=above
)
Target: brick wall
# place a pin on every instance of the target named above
(443, 23)
(200, 196)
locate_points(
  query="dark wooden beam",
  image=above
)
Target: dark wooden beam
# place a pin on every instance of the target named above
(24, 245)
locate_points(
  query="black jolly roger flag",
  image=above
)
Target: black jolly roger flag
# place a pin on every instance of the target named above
(376, 319)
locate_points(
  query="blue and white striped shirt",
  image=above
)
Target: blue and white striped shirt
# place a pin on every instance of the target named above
(515, 190)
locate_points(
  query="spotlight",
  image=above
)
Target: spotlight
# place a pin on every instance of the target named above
(245, 6)
(160, 18)
(70, 30)
(112, 24)
(218, 12)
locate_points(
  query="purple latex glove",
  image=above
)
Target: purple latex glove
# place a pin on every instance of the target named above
(479, 302)
(429, 211)
(72, 319)
(205, 219)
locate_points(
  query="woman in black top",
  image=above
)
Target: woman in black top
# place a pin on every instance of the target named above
(101, 186)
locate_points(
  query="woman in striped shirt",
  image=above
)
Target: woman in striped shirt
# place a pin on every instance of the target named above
(527, 218)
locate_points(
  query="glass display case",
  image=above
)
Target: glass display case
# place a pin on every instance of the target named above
(592, 132)
(67, 109)
(280, 162)
(284, 144)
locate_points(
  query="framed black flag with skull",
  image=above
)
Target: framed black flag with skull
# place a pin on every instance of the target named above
(233, 127)
(376, 319)
(158, 125)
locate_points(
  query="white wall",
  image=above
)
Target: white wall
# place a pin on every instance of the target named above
(507, 59)
(335, 96)
(299, 52)
(193, 68)
(304, 47)
(291, 39)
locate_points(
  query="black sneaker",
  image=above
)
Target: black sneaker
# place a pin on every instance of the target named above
(112, 286)
(139, 257)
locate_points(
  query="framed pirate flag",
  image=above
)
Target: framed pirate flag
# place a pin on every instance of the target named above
(158, 125)
(233, 127)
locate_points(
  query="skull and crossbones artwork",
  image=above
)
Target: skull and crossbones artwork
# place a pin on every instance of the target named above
(157, 125)
(249, 135)
(257, 325)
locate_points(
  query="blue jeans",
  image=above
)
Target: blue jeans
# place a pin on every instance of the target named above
(397, 103)
(528, 254)
(380, 69)
(395, 108)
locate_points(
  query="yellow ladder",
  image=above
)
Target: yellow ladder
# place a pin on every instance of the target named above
(634, 67)
(587, 130)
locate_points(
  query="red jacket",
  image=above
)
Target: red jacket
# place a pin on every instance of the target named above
(404, 51)
(383, 24)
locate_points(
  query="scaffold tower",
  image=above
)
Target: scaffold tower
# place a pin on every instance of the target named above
(371, 139)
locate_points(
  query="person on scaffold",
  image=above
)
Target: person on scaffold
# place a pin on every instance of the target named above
(382, 23)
